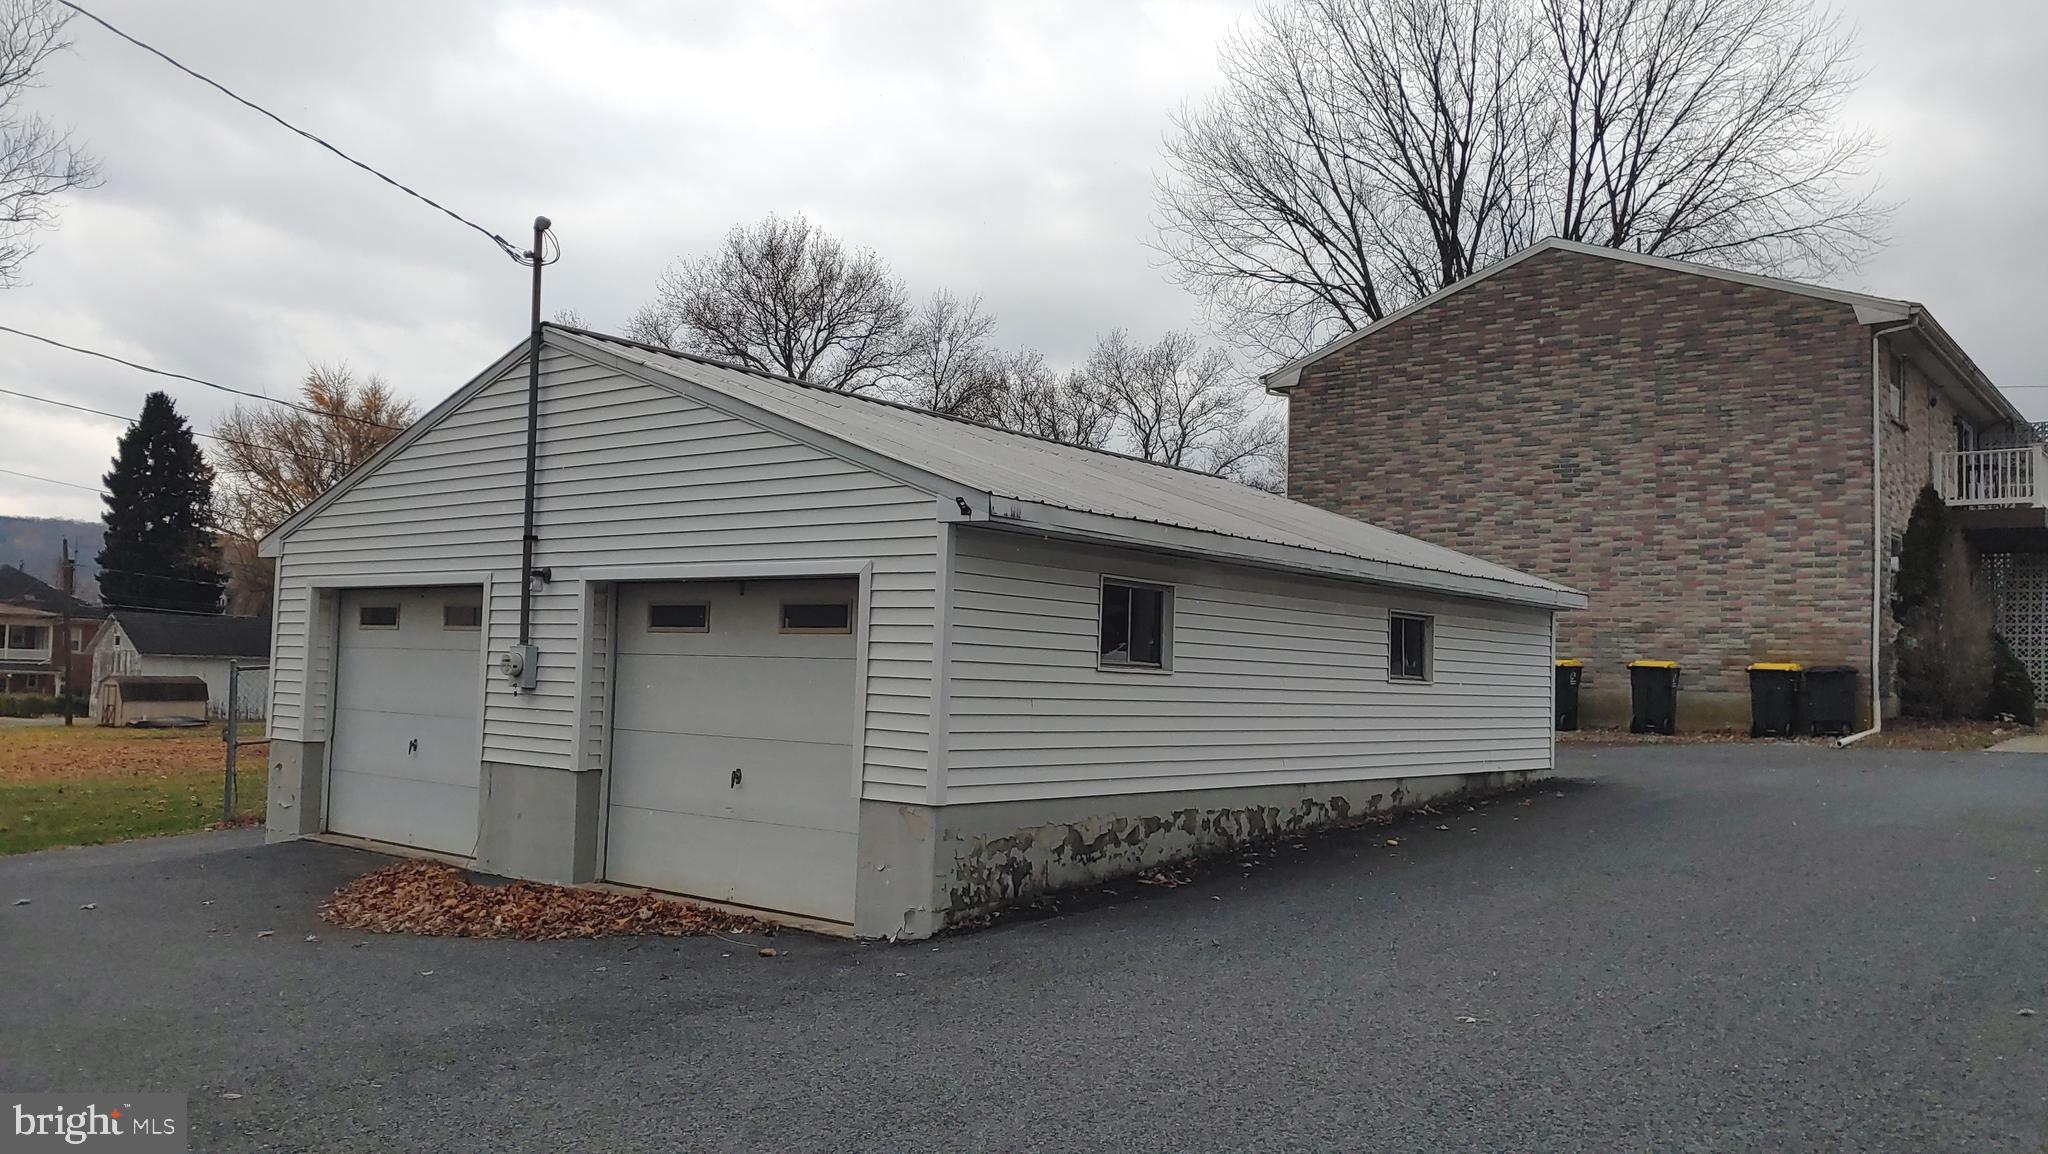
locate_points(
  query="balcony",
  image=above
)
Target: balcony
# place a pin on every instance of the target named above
(1998, 496)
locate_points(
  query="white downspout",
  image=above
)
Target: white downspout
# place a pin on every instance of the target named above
(1877, 558)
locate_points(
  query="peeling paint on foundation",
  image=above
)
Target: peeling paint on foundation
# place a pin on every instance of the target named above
(982, 872)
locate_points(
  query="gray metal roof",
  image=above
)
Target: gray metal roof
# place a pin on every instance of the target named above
(1044, 473)
(195, 634)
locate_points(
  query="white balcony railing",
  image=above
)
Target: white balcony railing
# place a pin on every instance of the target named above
(1993, 476)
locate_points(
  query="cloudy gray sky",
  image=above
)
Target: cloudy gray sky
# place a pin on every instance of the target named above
(1006, 149)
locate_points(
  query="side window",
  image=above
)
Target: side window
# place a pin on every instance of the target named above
(1135, 625)
(377, 616)
(665, 617)
(1895, 389)
(1409, 637)
(817, 617)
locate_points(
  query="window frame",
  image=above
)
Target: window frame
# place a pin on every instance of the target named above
(1895, 389)
(782, 625)
(1428, 663)
(654, 605)
(1104, 661)
(448, 605)
(397, 615)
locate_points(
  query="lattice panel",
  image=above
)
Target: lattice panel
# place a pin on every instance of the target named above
(2019, 605)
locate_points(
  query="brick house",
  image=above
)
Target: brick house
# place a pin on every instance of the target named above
(46, 636)
(1695, 448)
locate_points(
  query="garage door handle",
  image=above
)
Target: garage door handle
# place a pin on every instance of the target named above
(413, 747)
(735, 778)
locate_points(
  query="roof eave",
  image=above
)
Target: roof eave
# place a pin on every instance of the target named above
(1966, 368)
(1070, 524)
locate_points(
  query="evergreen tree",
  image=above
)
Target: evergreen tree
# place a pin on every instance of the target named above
(160, 551)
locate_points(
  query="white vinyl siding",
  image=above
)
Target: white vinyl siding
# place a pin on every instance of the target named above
(629, 474)
(1274, 679)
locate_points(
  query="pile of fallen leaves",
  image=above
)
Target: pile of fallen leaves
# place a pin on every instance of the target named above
(426, 897)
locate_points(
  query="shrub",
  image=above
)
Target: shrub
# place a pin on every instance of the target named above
(1945, 651)
(2012, 687)
(28, 704)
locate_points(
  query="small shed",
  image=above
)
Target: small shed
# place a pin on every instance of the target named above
(146, 700)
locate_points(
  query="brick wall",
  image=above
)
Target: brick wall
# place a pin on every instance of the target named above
(1694, 454)
(1924, 427)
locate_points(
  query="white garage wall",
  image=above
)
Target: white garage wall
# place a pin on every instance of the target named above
(630, 474)
(1274, 679)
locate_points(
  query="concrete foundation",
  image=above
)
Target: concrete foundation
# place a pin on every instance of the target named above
(539, 823)
(923, 868)
(297, 803)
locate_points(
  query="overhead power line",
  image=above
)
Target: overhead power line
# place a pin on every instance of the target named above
(518, 254)
(307, 409)
(195, 432)
(54, 481)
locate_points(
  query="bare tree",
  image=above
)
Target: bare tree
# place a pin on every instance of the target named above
(1174, 402)
(273, 461)
(1253, 451)
(570, 318)
(948, 364)
(38, 162)
(1363, 153)
(1063, 407)
(785, 297)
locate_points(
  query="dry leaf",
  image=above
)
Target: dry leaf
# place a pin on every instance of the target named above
(424, 897)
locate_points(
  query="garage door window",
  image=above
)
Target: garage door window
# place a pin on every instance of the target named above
(377, 617)
(817, 617)
(461, 616)
(1135, 623)
(679, 618)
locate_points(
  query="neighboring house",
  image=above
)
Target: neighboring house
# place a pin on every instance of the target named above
(46, 636)
(839, 658)
(152, 643)
(1698, 449)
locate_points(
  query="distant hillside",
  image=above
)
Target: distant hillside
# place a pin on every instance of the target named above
(34, 544)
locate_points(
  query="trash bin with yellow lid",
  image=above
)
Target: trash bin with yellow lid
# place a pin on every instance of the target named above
(1776, 699)
(1653, 696)
(1569, 671)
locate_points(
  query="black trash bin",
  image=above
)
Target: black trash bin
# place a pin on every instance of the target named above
(1774, 699)
(1653, 696)
(1569, 672)
(1831, 700)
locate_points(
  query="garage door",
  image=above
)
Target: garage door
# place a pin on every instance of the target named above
(404, 766)
(733, 744)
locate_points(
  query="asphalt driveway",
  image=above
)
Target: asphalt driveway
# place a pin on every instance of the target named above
(1683, 948)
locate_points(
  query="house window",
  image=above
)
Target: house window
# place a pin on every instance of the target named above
(377, 616)
(462, 615)
(1895, 389)
(31, 637)
(679, 618)
(1408, 641)
(817, 617)
(1134, 624)
(77, 637)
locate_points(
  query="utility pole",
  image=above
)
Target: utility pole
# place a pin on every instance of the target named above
(67, 584)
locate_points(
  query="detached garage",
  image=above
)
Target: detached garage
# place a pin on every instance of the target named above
(854, 663)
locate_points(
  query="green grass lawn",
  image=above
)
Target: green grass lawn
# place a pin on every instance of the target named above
(40, 815)
(85, 785)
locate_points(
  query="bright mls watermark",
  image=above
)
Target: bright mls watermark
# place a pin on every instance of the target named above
(142, 1123)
